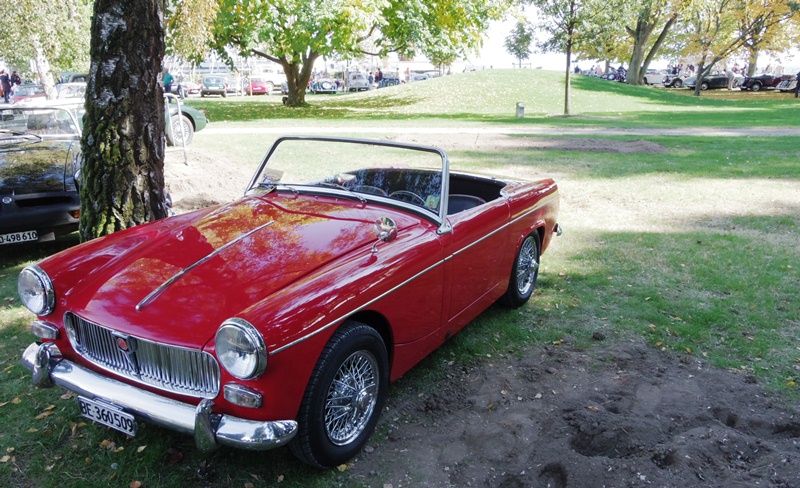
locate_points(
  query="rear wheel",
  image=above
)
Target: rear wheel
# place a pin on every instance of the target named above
(524, 273)
(755, 87)
(704, 86)
(344, 397)
(182, 128)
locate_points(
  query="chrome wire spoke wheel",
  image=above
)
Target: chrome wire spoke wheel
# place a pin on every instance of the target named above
(527, 266)
(351, 398)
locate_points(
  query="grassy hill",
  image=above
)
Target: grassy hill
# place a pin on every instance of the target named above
(492, 95)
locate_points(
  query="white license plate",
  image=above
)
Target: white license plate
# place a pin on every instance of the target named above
(107, 414)
(16, 237)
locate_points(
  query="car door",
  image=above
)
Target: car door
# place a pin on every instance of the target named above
(476, 261)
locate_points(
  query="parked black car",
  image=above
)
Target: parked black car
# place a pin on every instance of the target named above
(759, 82)
(39, 157)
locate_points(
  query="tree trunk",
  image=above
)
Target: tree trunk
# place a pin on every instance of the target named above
(122, 180)
(43, 69)
(752, 62)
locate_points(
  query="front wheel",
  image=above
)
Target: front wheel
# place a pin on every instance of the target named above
(344, 397)
(524, 273)
(678, 84)
(755, 87)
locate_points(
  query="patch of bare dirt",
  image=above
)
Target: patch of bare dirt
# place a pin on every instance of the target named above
(205, 181)
(499, 141)
(620, 415)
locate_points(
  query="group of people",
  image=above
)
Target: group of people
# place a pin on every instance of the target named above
(7, 82)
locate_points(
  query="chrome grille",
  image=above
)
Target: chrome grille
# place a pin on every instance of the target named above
(171, 368)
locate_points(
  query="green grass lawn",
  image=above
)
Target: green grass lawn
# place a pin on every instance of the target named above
(492, 95)
(692, 249)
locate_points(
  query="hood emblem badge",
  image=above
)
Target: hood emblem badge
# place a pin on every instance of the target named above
(127, 346)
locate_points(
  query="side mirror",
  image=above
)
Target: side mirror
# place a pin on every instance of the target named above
(385, 231)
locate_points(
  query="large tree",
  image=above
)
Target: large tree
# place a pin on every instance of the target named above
(47, 36)
(649, 15)
(295, 33)
(518, 41)
(717, 29)
(122, 181)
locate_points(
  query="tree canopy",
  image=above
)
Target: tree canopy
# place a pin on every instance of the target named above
(47, 37)
(518, 42)
(294, 33)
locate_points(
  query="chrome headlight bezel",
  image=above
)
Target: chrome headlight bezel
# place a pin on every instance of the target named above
(36, 290)
(240, 349)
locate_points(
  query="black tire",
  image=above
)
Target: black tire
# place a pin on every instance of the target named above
(755, 86)
(224, 94)
(270, 87)
(677, 84)
(181, 126)
(704, 86)
(353, 369)
(524, 273)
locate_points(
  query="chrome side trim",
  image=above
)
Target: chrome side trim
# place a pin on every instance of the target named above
(208, 429)
(152, 296)
(542, 203)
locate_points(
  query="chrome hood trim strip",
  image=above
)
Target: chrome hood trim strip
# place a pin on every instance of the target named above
(155, 293)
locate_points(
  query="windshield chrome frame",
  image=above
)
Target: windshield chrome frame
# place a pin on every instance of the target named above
(440, 220)
(69, 108)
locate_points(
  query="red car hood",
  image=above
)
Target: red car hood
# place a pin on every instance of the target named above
(221, 261)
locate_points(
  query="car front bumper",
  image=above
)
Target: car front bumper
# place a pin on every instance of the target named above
(209, 430)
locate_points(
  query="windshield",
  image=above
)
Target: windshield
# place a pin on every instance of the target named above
(406, 175)
(40, 122)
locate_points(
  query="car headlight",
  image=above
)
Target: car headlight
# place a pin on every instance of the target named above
(241, 349)
(36, 290)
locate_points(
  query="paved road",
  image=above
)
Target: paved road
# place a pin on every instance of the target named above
(538, 130)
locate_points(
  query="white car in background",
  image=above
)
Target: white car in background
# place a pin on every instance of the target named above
(357, 82)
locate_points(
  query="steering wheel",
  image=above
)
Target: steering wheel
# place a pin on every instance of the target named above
(372, 190)
(409, 197)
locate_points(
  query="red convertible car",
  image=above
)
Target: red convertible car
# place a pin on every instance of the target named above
(281, 318)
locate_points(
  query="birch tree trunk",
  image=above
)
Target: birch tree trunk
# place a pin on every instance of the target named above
(122, 180)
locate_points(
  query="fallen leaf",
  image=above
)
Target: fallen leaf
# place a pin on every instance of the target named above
(119, 449)
(66, 396)
(5, 459)
(44, 415)
(249, 485)
(593, 408)
(141, 448)
(10, 449)
(255, 476)
(16, 401)
(8, 368)
(280, 478)
(32, 430)
(342, 468)
(135, 484)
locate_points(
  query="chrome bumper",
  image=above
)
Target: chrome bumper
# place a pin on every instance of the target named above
(209, 430)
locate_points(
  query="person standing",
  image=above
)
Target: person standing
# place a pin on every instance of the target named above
(168, 79)
(5, 83)
(731, 77)
(15, 79)
(797, 85)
